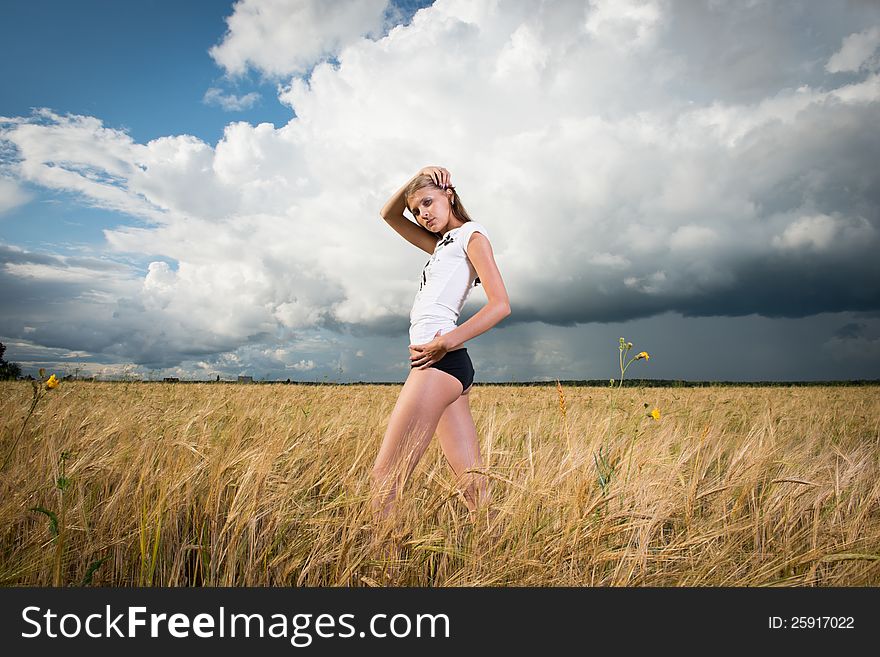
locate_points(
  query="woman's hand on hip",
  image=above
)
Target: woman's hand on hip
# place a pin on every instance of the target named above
(423, 356)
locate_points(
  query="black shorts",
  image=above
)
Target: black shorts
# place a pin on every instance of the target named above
(458, 364)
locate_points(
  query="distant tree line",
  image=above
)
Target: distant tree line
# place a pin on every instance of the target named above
(8, 370)
(628, 383)
(680, 383)
(13, 371)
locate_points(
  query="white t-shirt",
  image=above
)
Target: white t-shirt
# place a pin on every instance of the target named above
(446, 280)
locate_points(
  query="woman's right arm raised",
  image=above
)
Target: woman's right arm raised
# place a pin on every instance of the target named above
(392, 213)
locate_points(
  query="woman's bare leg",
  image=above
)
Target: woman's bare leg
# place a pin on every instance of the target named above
(425, 395)
(458, 438)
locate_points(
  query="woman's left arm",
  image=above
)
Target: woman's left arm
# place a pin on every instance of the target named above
(479, 252)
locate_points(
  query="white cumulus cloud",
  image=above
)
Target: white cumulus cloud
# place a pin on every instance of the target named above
(856, 52)
(230, 102)
(12, 194)
(821, 232)
(285, 37)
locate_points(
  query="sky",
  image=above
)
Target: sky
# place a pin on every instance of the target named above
(193, 189)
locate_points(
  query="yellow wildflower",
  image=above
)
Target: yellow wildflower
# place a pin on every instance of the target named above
(644, 355)
(52, 382)
(655, 414)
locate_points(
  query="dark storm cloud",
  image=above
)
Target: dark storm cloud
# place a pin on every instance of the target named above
(851, 330)
(388, 325)
(89, 304)
(809, 245)
(742, 51)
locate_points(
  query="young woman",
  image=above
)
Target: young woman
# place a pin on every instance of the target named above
(435, 394)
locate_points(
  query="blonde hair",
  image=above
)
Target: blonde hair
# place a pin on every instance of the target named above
(458, 210)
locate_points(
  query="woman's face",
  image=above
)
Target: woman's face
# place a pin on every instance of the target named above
(431, 208)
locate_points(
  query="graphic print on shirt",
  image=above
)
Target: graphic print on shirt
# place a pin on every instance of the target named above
(446, 240)
(449, 239)
(446, 281)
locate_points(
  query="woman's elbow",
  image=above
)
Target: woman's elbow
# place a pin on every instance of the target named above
(505, 308)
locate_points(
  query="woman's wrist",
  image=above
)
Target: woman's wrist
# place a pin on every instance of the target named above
(448, 342)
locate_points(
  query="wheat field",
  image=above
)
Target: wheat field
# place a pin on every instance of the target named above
(138, 484)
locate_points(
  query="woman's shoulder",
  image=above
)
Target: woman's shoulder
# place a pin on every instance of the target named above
(473, 227)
